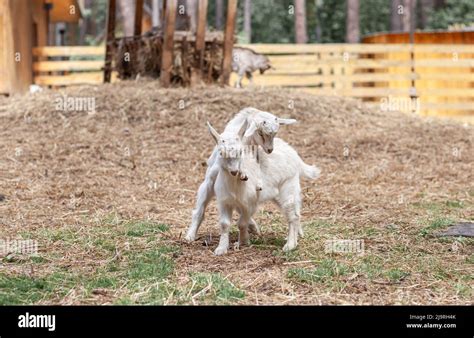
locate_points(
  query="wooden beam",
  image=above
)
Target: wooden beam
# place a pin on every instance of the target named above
(201, 27)
(110, 40)
(50, 51)
(138, 17)
(168, 43)
(228, 41)
(201, 34)
(67, 66)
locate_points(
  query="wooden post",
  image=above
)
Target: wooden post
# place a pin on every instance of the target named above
(228, 41)
(138, 17)
(168, 43)
(201, 34)
(163, 11)
(109, 41)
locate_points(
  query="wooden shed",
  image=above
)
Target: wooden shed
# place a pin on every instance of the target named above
(25, 24)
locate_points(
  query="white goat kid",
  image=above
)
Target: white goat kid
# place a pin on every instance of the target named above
(261, 129)
(280, 171)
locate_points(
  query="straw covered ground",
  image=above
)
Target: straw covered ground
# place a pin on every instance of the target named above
(107, 196)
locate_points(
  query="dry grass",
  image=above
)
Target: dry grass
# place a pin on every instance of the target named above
(109, 196)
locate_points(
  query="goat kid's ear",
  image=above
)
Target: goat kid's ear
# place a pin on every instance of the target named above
(243, 129)
(251, 129)
(215, 135)
(286, 121)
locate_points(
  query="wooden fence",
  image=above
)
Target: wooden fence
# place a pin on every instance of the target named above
(439, 77)
(63, 66)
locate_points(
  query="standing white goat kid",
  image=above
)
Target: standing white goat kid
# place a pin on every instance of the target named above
(280, 171)
(262, 128)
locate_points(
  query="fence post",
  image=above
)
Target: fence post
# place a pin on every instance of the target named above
(168, 43)
(109, 41)
(138, 17)
(228, 41)
(201, 34)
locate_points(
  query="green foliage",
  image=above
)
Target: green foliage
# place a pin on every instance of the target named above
(374, 16)
(271, 21)
(454, 12)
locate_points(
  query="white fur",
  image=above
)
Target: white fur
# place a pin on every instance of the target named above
(280, 171)
(257, 122)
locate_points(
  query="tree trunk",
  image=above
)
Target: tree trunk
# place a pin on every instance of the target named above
(127, 11)
(352, 21)
(408, 11)
(395, 16)
(248, 21)
(301, 35)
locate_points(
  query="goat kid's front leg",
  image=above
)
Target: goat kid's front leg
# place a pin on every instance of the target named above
(225, 216)
(204, 195)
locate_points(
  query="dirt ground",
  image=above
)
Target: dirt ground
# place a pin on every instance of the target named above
(108, 197)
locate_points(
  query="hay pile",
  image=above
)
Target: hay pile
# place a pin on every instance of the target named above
(143, 155)
(142, 56)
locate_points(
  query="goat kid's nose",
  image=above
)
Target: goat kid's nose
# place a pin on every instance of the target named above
(270, 150)
(233, 173)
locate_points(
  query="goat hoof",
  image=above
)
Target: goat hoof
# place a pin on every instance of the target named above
(289, 247)
(301, 233)
(220, 251)
(190, 238)
(244, 178)
(254, 229)
(244, 242)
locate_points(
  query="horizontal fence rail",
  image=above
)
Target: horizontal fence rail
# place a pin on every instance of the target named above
(64, 66)
(439, 77)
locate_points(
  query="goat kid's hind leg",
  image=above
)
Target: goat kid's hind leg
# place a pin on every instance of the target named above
(243, 224)
(225, 216)
(204, 195)
(298, 212)
(289, 203)
(250, 77)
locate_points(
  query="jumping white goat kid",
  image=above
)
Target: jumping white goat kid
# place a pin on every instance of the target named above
(261, 129)
(280, 171)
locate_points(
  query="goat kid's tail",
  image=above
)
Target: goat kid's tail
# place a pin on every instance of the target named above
(309, 171)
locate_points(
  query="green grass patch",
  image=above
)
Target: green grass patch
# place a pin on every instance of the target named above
(22, 289)
(395, 275)
(326, 271)
(215, 288)
(371, 267)
(154, 264)
(142, 274)
(435, 224)
(144, 228)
